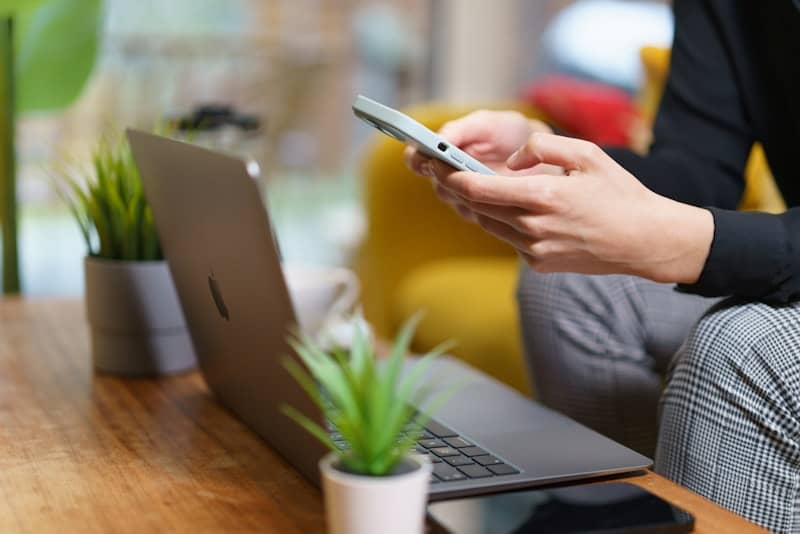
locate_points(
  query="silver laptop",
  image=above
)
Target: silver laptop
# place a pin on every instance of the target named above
(218, 240)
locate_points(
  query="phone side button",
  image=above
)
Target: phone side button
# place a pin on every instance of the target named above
(456, 157)
(471, 166)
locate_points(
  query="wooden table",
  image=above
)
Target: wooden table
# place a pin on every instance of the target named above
(86, 453)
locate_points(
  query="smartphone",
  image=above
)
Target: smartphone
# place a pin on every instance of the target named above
(406, 130)
(607, 508)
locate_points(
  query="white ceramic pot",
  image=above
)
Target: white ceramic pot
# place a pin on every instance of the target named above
(136, 321)
(358, 504)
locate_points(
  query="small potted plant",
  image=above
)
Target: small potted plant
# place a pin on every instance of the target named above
(371, 480)
(137, 325)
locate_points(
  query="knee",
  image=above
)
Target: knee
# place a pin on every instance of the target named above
(586, 316)
(732, 347)
(550, 303)
(548, 293)
(723, 336)
(720, 339)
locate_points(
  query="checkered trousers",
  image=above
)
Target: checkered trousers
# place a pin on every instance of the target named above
(730, 415)
(601, 349)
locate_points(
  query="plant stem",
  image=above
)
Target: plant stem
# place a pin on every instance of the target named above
(8, 186)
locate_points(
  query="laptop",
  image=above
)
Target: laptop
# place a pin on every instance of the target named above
(218, 241)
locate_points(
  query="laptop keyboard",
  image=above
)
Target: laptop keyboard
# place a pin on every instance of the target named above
(454, 458)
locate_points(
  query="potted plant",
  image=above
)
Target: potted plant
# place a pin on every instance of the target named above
(371, 480)
(137, 325)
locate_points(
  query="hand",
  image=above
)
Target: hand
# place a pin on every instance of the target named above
(596, 219)
(490, 137)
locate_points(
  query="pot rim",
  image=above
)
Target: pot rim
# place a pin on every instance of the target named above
(115, 261)
(326, 466)
(117, 264)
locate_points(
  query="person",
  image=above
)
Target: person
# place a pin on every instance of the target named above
(651, 309)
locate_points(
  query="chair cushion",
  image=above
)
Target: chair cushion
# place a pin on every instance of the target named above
(470, 300)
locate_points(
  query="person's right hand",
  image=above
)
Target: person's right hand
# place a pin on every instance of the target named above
(488, 136)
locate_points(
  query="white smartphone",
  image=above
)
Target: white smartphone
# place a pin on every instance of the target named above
(406, 130)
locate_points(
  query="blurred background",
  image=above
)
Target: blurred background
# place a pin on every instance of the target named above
(290, 68)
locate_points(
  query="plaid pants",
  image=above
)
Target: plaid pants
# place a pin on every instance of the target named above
(601, 349)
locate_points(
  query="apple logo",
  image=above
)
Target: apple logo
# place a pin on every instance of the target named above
(216, 294)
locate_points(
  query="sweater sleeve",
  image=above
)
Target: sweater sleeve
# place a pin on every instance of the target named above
(754, 256)
(702, 137)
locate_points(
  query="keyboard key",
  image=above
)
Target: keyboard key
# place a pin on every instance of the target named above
(444, 451)
(473, 451)
(487, 460)
(458, 460)
(502, 469)
(434, 459)
(446, 473)
(458, 443)
(431, 443)
(426, 435)
(434, 480)
(439, 430)
(475, 471)
(420, 450)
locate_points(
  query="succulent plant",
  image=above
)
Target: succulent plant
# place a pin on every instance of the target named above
(378, 410)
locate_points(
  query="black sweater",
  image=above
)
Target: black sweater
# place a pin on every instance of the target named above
(734, 79)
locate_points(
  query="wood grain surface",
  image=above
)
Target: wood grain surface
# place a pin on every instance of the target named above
(81, 452)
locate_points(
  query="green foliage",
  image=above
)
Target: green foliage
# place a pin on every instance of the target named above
(110, 207)
(56, 44)
(46, 56)
(12, 7)
(372, 406)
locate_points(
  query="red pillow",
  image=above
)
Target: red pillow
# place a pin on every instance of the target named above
(594, 111)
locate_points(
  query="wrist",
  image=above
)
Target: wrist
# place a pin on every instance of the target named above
(684, 236)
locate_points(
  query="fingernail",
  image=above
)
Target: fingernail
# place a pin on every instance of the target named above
(512, 159)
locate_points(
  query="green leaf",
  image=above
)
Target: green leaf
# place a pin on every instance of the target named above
(151, 249)
(419, 369)
(13, 7)
(56, 47)
(387, 406)
(310, 426)
(331, 376)
(305, 381)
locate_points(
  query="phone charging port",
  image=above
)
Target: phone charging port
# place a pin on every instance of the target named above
(442, 147)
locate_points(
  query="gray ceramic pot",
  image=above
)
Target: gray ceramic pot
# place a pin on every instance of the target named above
(137, 326)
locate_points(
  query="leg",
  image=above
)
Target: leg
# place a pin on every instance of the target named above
(598, 346)
(730, 416)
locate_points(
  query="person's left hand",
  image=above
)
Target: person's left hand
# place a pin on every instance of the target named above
(596, 219)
